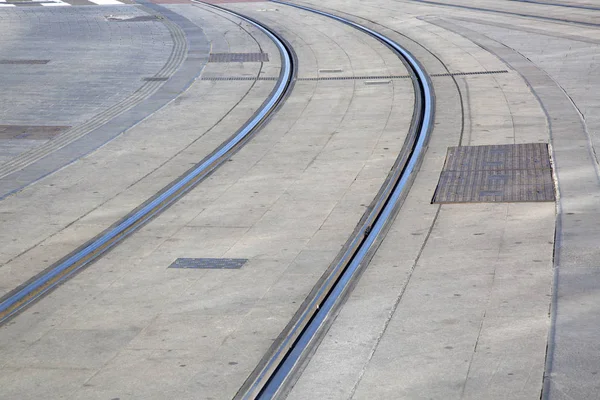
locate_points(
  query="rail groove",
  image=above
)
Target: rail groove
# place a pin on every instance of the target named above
(280, 367)
(26, 294)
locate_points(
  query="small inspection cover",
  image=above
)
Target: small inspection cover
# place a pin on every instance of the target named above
(209, 263)
(238, 57)
(498, 173)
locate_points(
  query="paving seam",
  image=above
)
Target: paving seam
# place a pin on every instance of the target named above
(175, 59)
(349, 78)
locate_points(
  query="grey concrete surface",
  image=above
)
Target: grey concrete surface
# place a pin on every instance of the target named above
(442, 316)
(84, 74)
(287, 202)
(88, 57)
(92, 194)
(556, 70)
(455, 303)
(571, 358)
(115, 69)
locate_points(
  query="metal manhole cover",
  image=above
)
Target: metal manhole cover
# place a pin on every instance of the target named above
(238, 57)
(499, 173)
(209, 263)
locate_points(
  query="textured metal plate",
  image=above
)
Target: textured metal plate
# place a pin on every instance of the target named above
(31, 132)
(209, 263)
(24, 62)
(238, 57)
(501, 173)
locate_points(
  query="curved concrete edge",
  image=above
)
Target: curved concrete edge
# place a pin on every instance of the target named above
(573, 339)
(198, 49)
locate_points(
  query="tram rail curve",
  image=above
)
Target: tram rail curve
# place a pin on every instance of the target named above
(49, 279)
(282, 364)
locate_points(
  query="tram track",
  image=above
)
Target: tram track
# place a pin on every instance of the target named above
(49, 279)
(278, 370)
(272, 376)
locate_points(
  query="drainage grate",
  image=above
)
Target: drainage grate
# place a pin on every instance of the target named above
(209, 263)
(500, 173)
(24, 62)
(156, 79)
(351, 78)
(238, 57)
(472, 73)
(31, 132)
(238, 78)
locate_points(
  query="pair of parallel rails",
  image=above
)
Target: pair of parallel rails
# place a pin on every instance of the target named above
(279, 368)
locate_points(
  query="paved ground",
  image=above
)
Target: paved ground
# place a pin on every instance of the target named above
(260, 206)
(456, 301)
(59, 108)
(65, 79)
(491, 344)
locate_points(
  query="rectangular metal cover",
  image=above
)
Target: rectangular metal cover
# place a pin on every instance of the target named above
(209, 263)
(238, 57)
(497, 173)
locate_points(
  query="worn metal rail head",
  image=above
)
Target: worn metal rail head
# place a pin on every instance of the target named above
(29, 292)
(277, 372)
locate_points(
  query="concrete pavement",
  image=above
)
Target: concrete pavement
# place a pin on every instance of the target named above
(287, 202)
(455, 303)
(486, 347)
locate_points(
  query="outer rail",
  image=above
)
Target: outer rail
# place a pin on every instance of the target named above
(276, 372)
(23, 296)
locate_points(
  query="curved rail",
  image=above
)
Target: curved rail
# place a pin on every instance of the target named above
(277, 371)
(41, 284)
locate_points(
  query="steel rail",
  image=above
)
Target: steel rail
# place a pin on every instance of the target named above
(276, 372)
(24, 295)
